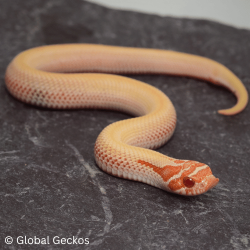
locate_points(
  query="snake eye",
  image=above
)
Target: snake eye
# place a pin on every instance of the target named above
(188, 182)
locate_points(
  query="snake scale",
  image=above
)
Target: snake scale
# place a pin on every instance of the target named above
(74, 76)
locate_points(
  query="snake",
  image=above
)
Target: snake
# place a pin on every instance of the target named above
(91, 76)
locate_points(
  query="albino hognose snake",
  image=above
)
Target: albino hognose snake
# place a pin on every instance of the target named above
(123, 148)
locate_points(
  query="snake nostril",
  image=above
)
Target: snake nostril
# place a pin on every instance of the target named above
(188, 182)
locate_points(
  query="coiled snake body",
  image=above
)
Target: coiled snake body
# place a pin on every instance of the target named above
(124, 149)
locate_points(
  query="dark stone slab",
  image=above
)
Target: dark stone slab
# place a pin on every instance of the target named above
(49, 182)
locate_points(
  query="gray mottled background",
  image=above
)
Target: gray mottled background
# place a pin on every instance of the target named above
(49, 182)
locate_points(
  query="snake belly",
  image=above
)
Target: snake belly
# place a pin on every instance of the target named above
(52, 77)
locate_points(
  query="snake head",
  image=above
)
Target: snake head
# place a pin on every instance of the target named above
(193, 178)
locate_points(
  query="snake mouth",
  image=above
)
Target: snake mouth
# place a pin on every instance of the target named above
(212, 181)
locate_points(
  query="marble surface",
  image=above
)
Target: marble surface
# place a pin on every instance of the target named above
(50, 185)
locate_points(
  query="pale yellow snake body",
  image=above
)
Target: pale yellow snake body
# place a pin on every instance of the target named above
(49, 77)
